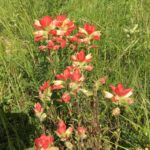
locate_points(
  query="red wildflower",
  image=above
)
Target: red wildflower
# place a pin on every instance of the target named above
(61, 41)
(37, 25)
(121, 95)
(88, 33)
(45, 86)
(76, 75)
(89, 28)
(115, 99)
(43, 142)
(63, 132)
(65, 75)
(61, 127)
(50, 44)
(57, 87)
(39, 35)
(53, 32)
(77, 37)
(121, 91)
(66, 98)
(81, 130)
(96, 37)
(45, 21)
(56, 43)
(38, 107)
(64, 25)
(80, 56)
(59, 20)
(88, 68)
(38, 38)
(103, 80)
(71, 27)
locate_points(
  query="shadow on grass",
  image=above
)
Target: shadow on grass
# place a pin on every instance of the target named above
(16, 133)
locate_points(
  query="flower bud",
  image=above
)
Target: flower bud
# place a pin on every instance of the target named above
(89, 68)
(129, 101)
(68, 132)
(102, 80)
(107, 94)
(116, 111)
(38, 108)
(86, 92)
(61, 127)
(81, 132)
(66, 98)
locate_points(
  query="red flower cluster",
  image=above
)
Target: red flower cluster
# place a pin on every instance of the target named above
(64, 133)
(56, 32)
(70, 73)
(72, 78)
(46, 86)
(56, 43)
(53, 31)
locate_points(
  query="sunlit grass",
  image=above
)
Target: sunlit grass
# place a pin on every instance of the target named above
(123, 55)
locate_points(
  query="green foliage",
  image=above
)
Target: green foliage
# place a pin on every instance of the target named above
(123, 55)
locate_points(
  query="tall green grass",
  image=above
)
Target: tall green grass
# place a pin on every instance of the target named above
(123, 55)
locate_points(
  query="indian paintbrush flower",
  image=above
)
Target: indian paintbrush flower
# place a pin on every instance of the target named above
(120, 94)
(63, 132)
(43, 142)
(81, 132)
(66, 98)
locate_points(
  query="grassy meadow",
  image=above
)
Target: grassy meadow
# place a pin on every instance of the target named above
(123, 56)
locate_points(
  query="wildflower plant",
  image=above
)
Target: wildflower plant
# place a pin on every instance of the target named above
(63, 95)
